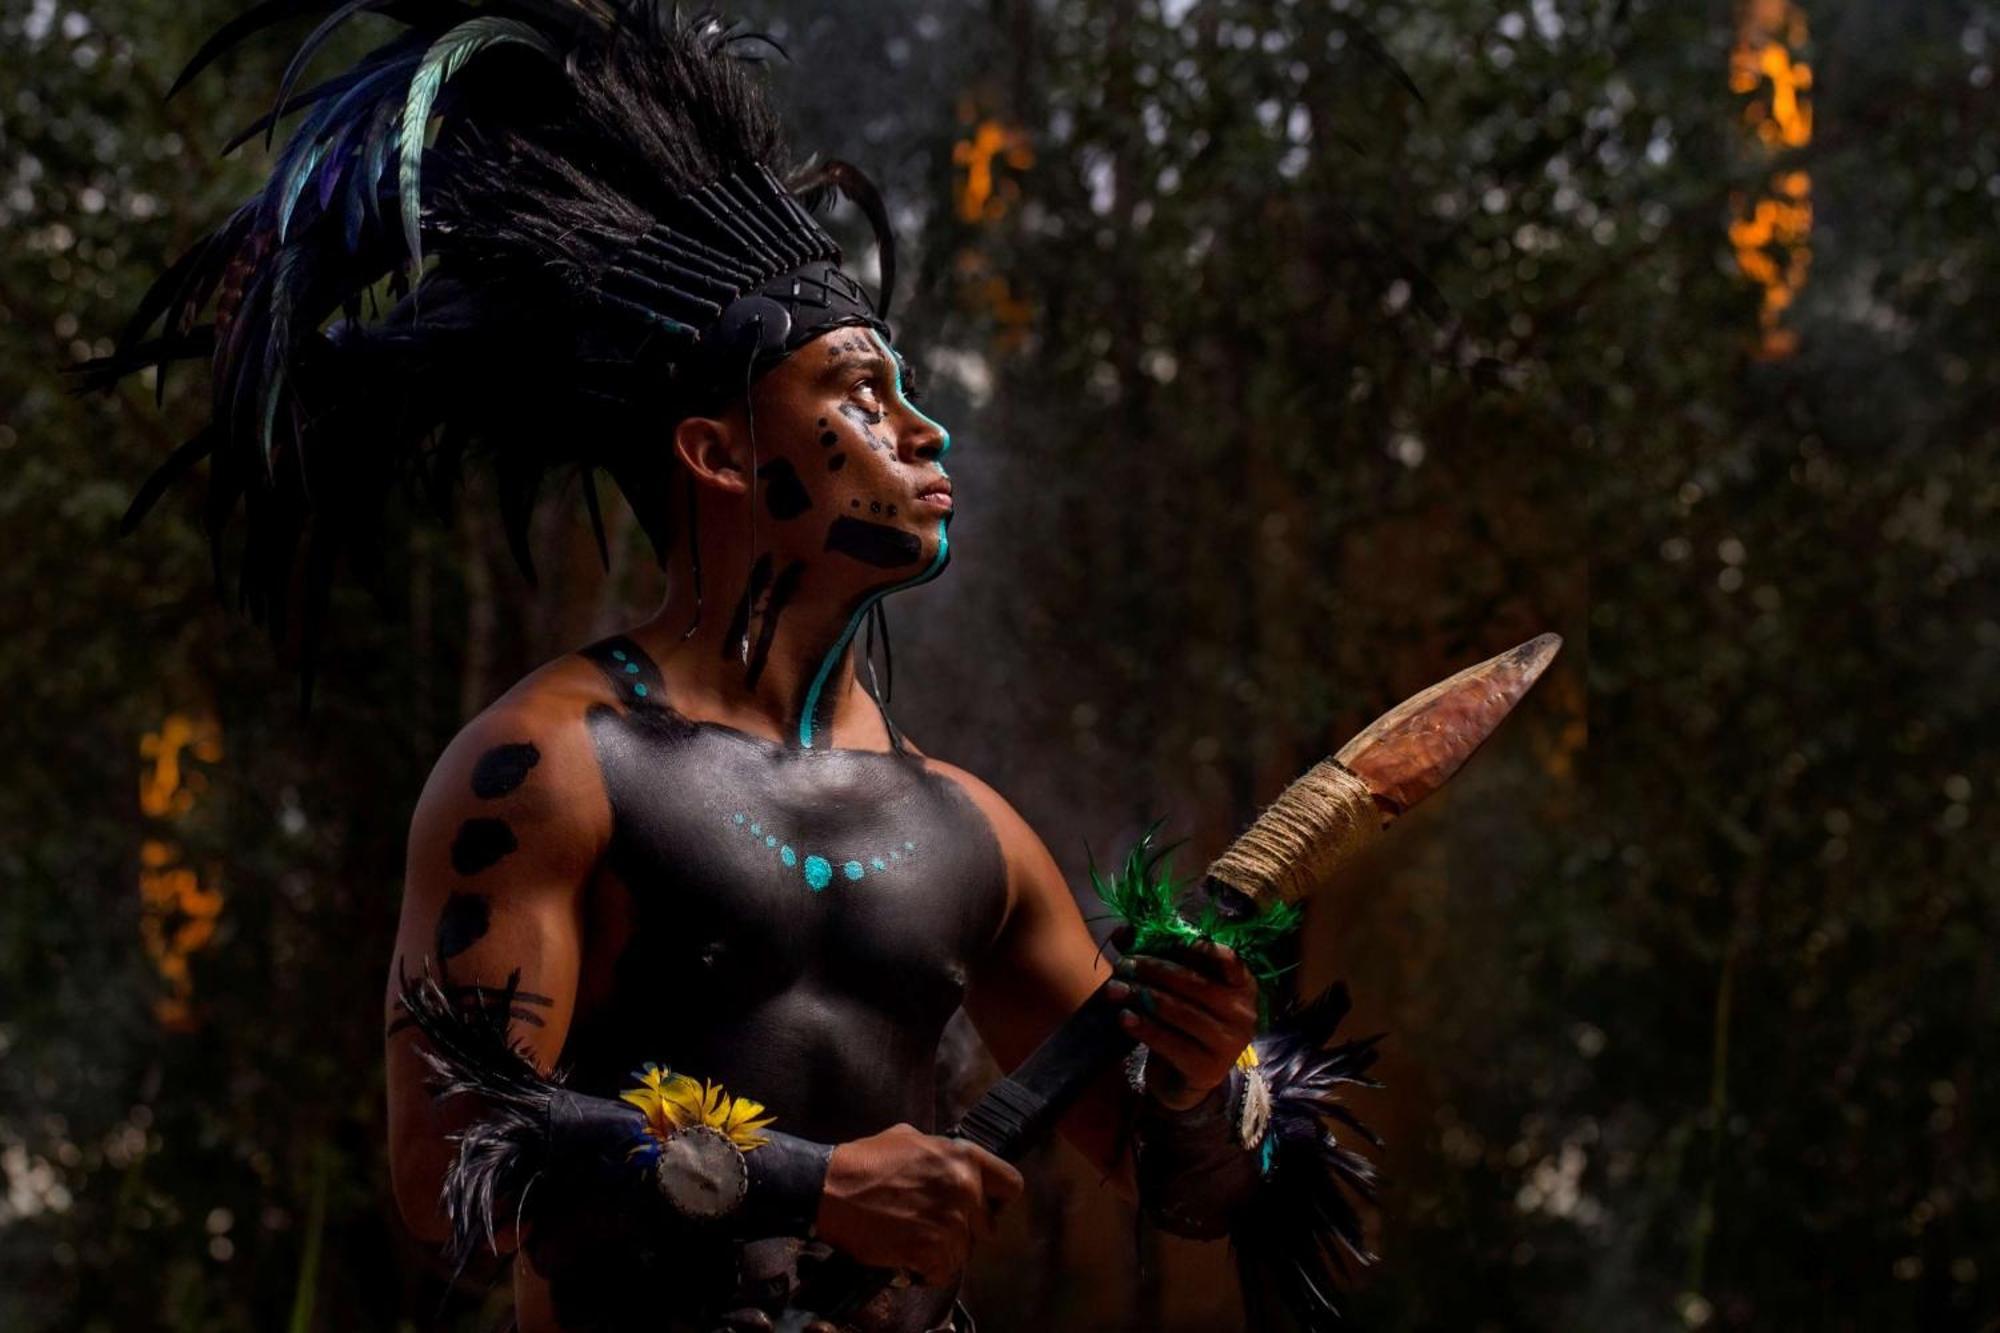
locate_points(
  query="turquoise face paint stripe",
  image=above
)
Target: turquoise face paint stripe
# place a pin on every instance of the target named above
(839, 648)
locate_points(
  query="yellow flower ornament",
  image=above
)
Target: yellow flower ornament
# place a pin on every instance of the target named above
(673, 1102)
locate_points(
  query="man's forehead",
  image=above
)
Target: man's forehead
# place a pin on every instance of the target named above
(853, 345)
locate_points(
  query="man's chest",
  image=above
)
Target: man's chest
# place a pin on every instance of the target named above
(751, 871)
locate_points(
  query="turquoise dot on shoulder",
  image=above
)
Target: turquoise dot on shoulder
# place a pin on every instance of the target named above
(819, 874)
(631, 668)
(879, 863)
(737, 818)
(770, 841)
(618, 653)
(853, 870)
(788, 856)
(909, 846)
(640, 690)
(757, 830)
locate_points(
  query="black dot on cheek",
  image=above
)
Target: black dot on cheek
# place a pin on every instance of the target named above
(836, 463)
(822, 423)
(827, 438)
(854, 504)
(892, 511)
(874, 506)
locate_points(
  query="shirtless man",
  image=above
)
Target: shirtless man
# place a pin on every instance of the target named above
(734, 866)
(699, 845)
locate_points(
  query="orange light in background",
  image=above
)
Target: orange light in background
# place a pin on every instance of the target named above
(1772, 235)
(980, 194)
(178, 914)
(991, 291)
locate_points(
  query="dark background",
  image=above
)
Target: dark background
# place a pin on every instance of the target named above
(1277, 395)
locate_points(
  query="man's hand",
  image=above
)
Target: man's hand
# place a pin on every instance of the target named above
(1195, 1015)
(912, 1201)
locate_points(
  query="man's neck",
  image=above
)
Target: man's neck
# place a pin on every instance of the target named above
(773, 645)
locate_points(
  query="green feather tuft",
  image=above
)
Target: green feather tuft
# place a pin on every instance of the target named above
(446, 56)
(1145, 896)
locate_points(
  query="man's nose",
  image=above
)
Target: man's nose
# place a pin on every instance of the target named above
(921, 440)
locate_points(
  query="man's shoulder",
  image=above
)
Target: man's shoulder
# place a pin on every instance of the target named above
(530, 748)
(1013, 832)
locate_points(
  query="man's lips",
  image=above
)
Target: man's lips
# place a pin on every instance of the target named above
(936, 495)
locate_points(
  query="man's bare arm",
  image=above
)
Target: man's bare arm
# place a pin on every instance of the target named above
(502, 847)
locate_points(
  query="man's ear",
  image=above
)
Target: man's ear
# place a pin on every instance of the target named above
(709, 449)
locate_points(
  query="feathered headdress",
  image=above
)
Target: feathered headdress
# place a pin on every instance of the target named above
(603, 230)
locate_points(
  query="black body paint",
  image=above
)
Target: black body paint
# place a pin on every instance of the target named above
(781, 593)
(479, 844)
(739, 624)
(825, 1003)
(503, 768)
(784, 494)
(875, 544)
(836, 462)
(462, 924)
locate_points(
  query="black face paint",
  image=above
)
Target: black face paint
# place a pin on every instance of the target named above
(739, 624)
(781, 593)
(806, 920)
(503, 768)
(461, 924)
(836, 462)
(480, 843)
(784, 494)
(875, 544)
(865, 422)
(827, 439)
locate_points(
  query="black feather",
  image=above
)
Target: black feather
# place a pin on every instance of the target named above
(853, 183)
(254, 19)
(466, 1047)
(195, 448)
(584, 218)
(590, 503)
(1303, 1231)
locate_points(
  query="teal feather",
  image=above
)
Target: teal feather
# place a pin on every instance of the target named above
(314, 40)
(446, 56)
(294, 184)
(277, 342)
(375, 159)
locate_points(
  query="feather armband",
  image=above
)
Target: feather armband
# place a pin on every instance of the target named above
(1266, 1160)
(536, 1147)
(1301, 1229)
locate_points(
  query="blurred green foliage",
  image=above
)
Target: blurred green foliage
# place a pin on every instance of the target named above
(1277, 394)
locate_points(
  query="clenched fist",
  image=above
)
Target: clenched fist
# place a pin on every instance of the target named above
(912, 1201)
(1195, 1013)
